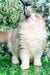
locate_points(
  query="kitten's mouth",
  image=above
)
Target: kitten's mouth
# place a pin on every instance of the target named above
(32, 17)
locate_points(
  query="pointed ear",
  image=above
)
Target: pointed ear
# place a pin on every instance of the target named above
(23, 2)
(44, 18)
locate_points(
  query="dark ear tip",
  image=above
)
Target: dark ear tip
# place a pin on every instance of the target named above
(27, 4)
(23, 2)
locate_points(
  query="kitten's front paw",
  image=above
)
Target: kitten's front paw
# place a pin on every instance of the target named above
(23, 66)
(15, 61)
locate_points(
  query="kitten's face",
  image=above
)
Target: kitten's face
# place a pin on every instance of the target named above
(27, 10)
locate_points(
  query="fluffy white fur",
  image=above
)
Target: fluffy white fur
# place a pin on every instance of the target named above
(28, 41)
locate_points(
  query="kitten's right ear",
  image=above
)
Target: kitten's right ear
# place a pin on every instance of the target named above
(25, 3)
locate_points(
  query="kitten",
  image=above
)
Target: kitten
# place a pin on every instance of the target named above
(28, 41)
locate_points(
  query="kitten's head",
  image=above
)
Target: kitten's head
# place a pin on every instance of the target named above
(27, 11)
(27, 8)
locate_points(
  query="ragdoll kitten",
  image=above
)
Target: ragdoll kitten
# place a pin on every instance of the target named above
(28, 41)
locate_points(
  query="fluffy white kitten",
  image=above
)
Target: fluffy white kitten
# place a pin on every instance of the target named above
(28, 41)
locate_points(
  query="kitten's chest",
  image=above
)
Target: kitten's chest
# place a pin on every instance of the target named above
(31, 31)
(28, 28)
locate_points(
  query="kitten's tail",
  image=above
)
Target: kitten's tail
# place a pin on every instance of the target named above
(4, 37)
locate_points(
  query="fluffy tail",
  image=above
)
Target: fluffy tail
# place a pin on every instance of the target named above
(4, 36)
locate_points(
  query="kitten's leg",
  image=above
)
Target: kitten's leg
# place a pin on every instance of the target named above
(25, 58)
(37, 59)
(15, 59)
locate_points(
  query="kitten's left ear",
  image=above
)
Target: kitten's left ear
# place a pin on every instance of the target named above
(44, 18)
